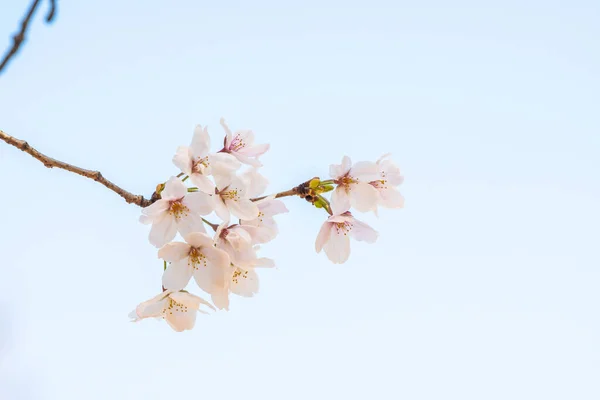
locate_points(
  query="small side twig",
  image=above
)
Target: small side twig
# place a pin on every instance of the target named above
(19, 37)
(50, 162)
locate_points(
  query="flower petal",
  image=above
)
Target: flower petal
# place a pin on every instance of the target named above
(242, 208)
(190, 223)
(190, 300)
(366, 171)
(363, 197)
(203, 183)
(363, 232)
(177, 275)
(199, 239)
(183, 159)
(174, 189)
(245, 283)
(337, 247)
(155, 209)
(199, 202)
(200, 142)
(174, 251)
(391, 198)
(323, 236)
(163, 232)
(340, 200)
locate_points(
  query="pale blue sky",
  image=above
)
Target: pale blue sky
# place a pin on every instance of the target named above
(484, 287)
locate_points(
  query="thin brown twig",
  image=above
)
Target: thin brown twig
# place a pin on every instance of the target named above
(50, 162)
(19, 37)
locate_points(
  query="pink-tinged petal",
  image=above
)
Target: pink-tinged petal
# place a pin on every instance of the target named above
(177, 275)
(264, 262)
(156, 208)
(221, 209)
(217, 257)
(323, 236)
(180, 320)
(174, 251)
(191, 301)
(365, 171)
(363, 232)
(228, 134)
(221, 299)
(247, 160)
(174, 189)
(199, 239)
(200, 142)
(392, 173)
(255, 183)
(338, 170)
(153, 310)
(191, 223)
(337, 247)
(344, 217)
(390, 198)
(146, 220)
(243, 258)
(340, 200)
(210, 278)
(239, 237)
(363, 197)
(383, 157)
(163, 232)
(242, 208)
(183, 159)
(223, 162)
(255, 150)
(199, 202)
(245, 283)
(271, 207)
(261, 234)
(203, 183)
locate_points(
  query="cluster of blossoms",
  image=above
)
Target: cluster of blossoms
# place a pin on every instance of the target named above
(228, 184)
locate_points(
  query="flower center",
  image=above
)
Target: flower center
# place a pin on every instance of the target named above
(199, 165)
(237, 143)
(230, 195)
(347, 180)
(239, 274)
(379, 184)
(175, 307)
(195, 258)
(343, 227)
(178, 209)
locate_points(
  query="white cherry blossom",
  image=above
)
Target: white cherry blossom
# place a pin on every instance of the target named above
(196, 162)
(199, 258)
(178, 308)
(353, 188)
(334, 236)
(242, 281)
(241, 146)
(236, 242)
(233, 199)
(389, 178)
(176, 211)
(255, 183)
(263, 229)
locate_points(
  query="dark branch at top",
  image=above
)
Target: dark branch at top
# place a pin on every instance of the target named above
(19, 37)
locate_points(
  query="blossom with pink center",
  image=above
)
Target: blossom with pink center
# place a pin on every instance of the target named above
(178, 308)
(241, 146)
(196, 162)
(353, 188)
(233, 199)
(242, 281)
(197, 257)
(263, 229)
(334, 236)
(236, 242)
(176, 211)
(389, 178)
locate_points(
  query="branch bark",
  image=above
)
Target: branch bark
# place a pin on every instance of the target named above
(19, 37)
(50, 162)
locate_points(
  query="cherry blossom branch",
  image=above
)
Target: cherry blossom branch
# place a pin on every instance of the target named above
(50, 162)
(19, 37)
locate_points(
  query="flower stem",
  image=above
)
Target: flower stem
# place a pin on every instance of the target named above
(324, 200)
(328, 182)
(164, 265)
(192, 189)
(184, 179)
(180, 175)
(214, 226)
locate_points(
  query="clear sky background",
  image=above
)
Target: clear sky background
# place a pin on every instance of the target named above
(484, 287)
